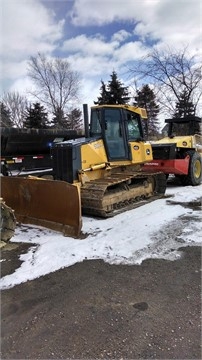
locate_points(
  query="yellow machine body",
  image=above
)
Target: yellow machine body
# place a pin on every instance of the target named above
(98, 175)
(179, 153)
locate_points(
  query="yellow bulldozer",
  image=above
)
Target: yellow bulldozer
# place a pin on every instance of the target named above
(99, 174)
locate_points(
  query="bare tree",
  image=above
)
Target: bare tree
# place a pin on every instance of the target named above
(16, 105)
(5, 120)
(172, 73)
(57, 85)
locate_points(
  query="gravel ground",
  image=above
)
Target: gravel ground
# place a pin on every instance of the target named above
(94, 310)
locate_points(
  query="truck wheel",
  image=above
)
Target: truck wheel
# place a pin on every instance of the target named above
(8, 222)
(4, 170)
(194, 175)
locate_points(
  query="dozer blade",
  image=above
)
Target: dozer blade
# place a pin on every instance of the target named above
(49, 203)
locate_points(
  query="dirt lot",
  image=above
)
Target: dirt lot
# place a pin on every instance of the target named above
(94, 310)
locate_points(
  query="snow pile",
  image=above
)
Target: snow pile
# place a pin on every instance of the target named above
(155, 230)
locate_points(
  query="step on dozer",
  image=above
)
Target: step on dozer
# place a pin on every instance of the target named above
(49, 203)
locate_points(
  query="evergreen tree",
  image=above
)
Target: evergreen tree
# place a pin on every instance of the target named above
(5, 116)
(59, 120)
(146, 99)
(113, 93)
(74, 120)
(103, 98)
(184, 107)
(118, 94)
(36, 118)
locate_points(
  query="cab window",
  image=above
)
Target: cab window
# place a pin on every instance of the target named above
(96, 122)
(133, 124)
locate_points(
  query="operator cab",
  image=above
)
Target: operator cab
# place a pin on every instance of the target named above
(186, 126)
(117, 126)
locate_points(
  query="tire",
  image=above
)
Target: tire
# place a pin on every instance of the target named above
(4, 170)
(194, 174)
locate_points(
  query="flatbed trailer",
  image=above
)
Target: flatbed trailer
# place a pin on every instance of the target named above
(30, 150)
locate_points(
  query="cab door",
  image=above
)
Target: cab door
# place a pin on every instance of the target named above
(114, 135)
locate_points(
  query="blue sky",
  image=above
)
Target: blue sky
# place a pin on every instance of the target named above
(95, 36)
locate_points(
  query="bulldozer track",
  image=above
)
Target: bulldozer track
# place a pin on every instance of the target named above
(113, 195)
